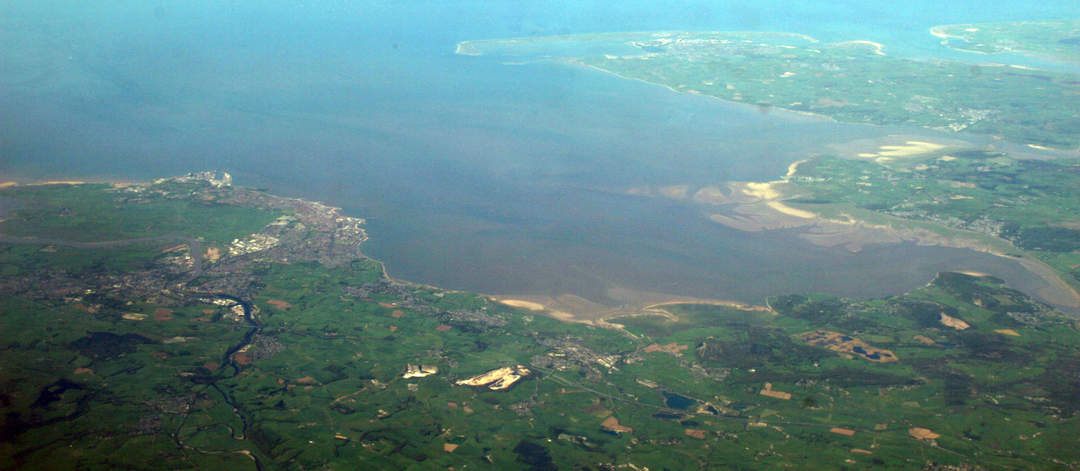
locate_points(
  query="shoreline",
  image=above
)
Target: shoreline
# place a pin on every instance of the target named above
(759, 206)
(936, 31)
(650, 304)
(587, 317)
(770, 198)
(802, 114)
(115, 183)
(464, 48)
(469, 43)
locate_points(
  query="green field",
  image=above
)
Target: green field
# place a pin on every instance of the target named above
(104, 213)
(105, 373)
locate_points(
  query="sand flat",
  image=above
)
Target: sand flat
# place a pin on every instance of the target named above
(762, 190)
(977, 274)
(58, 182)
(677, 192)
(712, 195)
(711, 302)
(794, 168)
(908, 149)
(522, 304)
(783, 208)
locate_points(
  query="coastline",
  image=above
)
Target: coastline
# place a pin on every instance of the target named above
(468, 48)
(801, 114)
(756, 206)
(582, 311)
(468, 45)
(761, 206)
(768, 212)
(116, 183)
(568, 308)
(937, 32)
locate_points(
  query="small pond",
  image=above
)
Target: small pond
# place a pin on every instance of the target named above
(676, 401)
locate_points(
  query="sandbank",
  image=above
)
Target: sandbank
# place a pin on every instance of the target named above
(58, 182)
(522, 304)
(936, 31)
(546, 309)
(628, 303)
(794, 168)
(675, 191)
(783, 208)
(712, 195)
(762, 190)
(709, 302)
(888, 146)
(466, 48)
(907, 149)
(977, 274)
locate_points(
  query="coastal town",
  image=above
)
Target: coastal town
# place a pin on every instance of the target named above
(306, 231)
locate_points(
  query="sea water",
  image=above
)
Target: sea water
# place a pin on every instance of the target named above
(475, 174)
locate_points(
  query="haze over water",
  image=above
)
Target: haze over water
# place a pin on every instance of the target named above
(475, 174)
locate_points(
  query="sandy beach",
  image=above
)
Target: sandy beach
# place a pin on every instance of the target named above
(879, 49)
(710, 302)
(783, 208)
(59, 182)
(569, 308)
(937, 31)
(522, 304)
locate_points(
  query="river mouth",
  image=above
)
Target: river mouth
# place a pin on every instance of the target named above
(615, 251)
(550, 228)
(474, 174)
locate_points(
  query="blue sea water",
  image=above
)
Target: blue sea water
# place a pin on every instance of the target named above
(475, 174)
